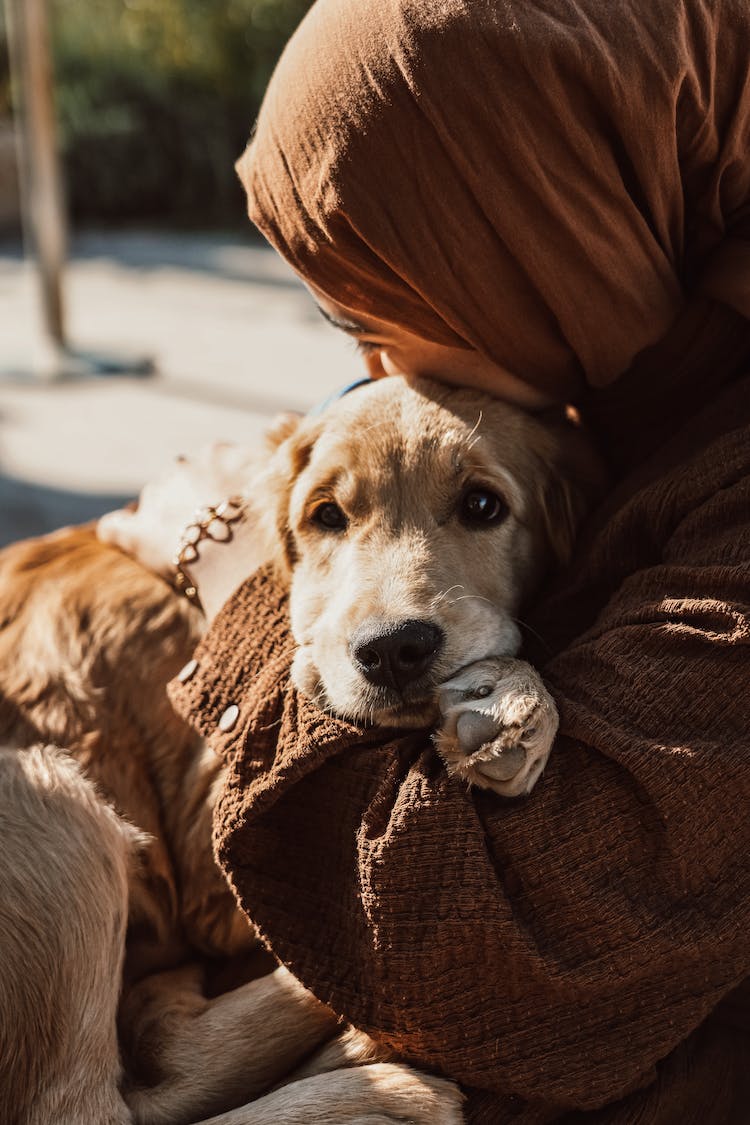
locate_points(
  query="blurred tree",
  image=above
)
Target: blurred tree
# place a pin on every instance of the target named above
(5, 101)
(156, 99)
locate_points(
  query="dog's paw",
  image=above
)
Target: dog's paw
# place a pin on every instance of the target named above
(498, 725)
(382, 1093)
(395, 1093)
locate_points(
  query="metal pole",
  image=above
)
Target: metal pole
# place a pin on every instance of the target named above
(41, 182)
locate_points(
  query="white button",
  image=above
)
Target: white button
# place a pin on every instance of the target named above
(188, 671)
(229, 718)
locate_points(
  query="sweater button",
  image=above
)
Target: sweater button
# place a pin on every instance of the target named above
(229, 718)
(188, 671)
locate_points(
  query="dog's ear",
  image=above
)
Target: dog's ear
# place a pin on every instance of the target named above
(290, 440)
(563, 508)
(280, 428)
(574, 480)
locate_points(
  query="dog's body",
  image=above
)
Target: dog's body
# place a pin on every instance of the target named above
(374, 545)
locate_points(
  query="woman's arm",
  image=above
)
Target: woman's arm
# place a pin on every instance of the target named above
(151, 532)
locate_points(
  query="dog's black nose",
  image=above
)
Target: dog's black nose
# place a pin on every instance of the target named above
(395, 655)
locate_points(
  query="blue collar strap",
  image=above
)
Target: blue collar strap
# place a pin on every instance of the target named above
(337, 395)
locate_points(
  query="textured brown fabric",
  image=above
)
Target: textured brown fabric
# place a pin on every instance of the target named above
(706, 347)
(547, 952)
(548, 181)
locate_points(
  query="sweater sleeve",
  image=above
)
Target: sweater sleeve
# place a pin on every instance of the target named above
(554, 948)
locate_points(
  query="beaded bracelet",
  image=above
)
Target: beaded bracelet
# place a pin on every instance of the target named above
(208, 523)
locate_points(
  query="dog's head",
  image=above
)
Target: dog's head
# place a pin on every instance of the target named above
(410, 521)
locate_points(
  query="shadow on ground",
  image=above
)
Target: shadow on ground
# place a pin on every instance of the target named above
(31, 509)
(228, 256)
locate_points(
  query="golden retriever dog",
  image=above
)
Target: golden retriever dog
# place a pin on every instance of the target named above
(410, 521)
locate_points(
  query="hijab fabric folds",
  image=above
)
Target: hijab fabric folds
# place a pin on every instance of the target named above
(547, 181)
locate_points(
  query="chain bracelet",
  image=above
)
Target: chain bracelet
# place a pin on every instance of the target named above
(208, 523)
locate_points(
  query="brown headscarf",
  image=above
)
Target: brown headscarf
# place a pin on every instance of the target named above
(547, 181)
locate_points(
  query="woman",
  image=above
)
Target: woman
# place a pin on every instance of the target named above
(549, 200)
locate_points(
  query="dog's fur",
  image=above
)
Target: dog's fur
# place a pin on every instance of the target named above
(115, 827)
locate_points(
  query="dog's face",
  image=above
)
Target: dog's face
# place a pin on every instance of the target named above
(413, 520)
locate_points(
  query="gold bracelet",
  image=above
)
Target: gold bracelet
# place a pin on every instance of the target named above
(207, 523)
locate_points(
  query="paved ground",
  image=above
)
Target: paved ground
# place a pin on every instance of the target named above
(233, 338)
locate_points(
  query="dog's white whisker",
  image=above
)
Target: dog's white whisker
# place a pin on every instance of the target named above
(439, 597)
(320, 699)
(468, 597)
(471, 439)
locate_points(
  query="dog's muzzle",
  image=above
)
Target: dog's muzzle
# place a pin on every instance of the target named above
(395, 655)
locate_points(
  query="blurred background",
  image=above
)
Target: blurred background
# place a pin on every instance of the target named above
(175, 325)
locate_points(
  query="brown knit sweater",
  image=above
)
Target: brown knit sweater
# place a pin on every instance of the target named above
(555, 953)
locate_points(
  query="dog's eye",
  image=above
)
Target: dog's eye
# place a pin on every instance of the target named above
(481, 507)
(329, 517)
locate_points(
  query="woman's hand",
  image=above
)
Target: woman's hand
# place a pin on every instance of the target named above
(152, 531)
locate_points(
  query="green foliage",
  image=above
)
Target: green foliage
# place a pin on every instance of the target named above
(156, 99)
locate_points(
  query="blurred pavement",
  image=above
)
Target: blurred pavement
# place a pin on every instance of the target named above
(234, 338)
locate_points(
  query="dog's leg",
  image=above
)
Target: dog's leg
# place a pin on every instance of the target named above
(348, 1049)
(63, 911)
(380, 1094)
(188, 1056)
(498, 725)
